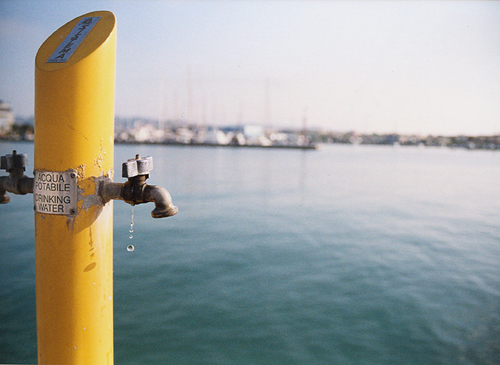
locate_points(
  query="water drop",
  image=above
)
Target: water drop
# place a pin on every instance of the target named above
(130, 248)
(131, 230)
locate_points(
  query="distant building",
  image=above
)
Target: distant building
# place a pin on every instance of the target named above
(248, 131)
(6, 117)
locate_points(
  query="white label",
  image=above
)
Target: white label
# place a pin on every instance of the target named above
(55, 192)
(73, 40)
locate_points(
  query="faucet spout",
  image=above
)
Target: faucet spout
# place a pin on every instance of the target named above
(137, 194)
(4, 198)
(162, 199)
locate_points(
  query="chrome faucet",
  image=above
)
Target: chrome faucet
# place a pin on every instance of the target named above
(136, 191)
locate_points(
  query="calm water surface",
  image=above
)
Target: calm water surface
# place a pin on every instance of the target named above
(346, 255)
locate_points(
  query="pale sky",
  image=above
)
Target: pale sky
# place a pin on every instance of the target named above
(368, 66)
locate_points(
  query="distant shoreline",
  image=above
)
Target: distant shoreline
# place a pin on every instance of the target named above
(294, 147)
(491, 143)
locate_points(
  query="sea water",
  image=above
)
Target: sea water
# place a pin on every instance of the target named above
(345, 255)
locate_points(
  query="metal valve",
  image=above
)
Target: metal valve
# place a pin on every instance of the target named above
(136, 191)
(14, 162)
(137, 172)
(16, 182)
(138, 166)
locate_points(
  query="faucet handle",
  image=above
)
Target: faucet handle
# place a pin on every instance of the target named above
(14, 161)
(137, 166)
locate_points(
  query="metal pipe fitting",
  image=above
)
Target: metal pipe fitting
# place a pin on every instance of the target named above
(4, 198)
(19, 184)
(16, 182)
(134, 194)
(109, 190)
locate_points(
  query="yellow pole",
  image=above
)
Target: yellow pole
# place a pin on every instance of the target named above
(74, 127)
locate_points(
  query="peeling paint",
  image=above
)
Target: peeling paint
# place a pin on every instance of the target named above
(95, 199)
(98, 161)
(91, 200)
(79, 192)
(80, 170)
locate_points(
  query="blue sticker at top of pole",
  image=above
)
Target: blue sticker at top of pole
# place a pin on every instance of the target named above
(73, 40)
